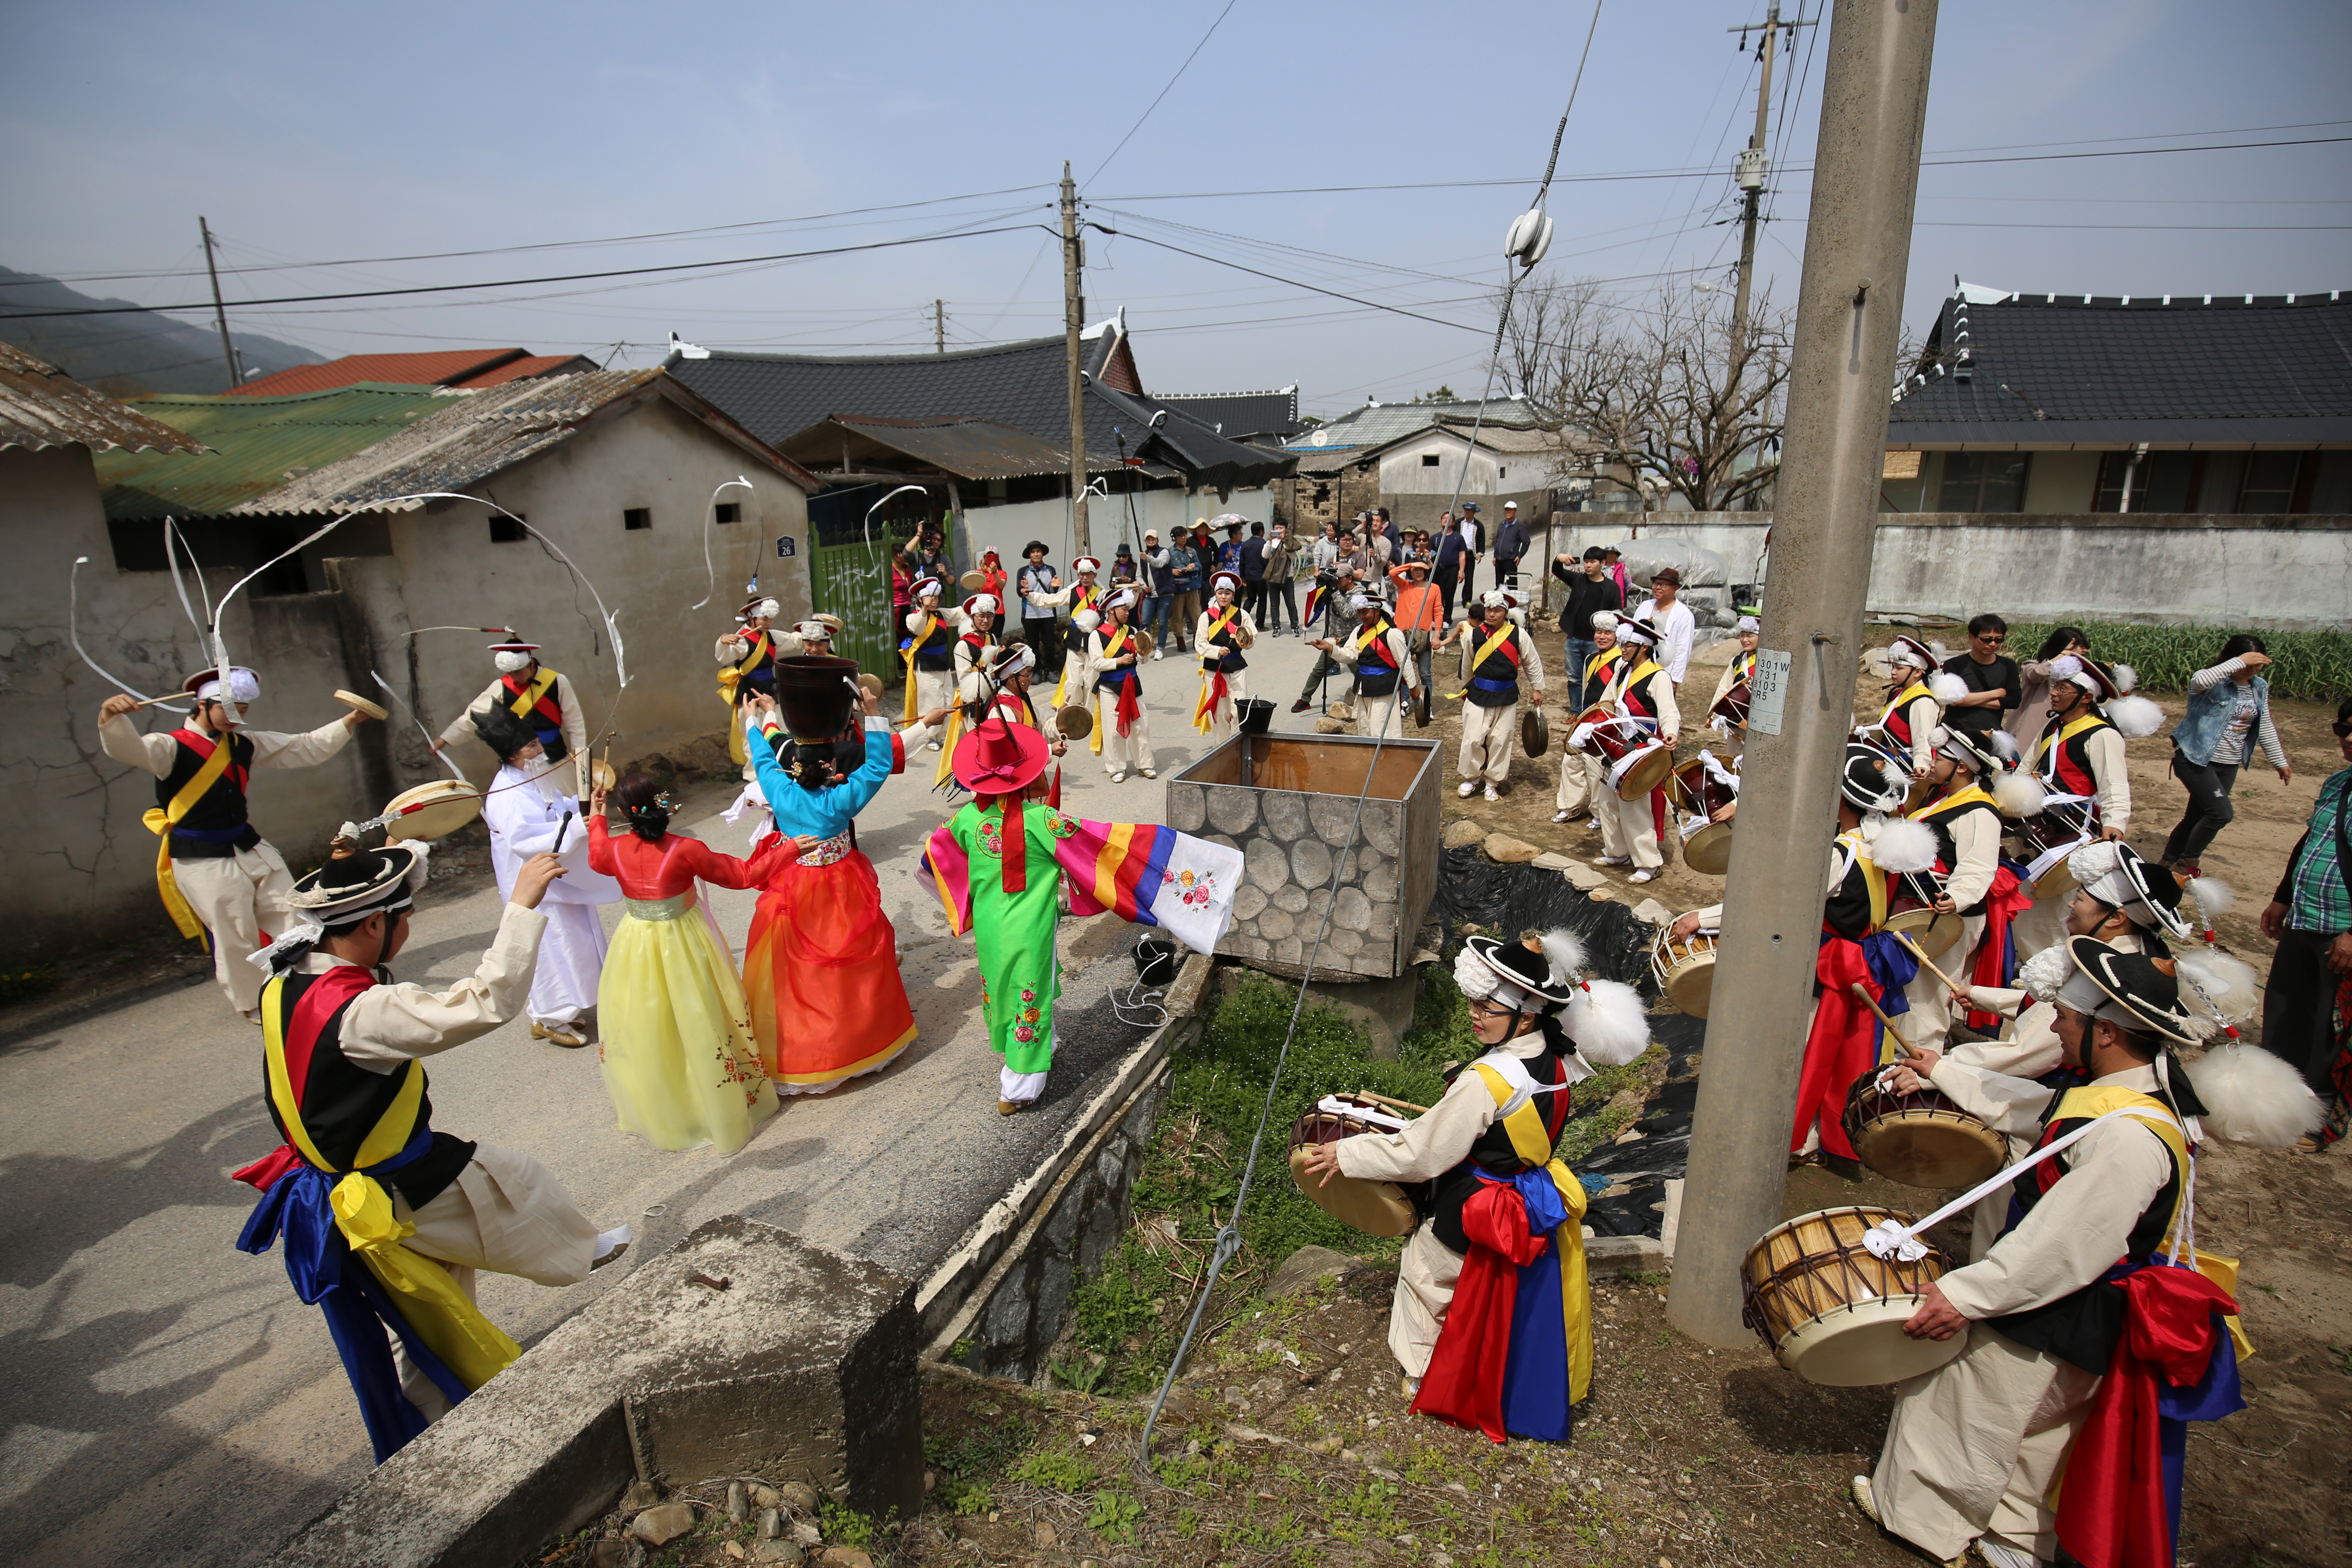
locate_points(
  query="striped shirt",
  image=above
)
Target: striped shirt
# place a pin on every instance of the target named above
(2230, 751)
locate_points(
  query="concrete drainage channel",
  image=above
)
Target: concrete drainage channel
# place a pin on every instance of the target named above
(745, 1352)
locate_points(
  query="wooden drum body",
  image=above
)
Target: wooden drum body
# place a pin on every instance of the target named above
(1683, 967)
(1732, 706)
(1376, 1208)
(1920, 1139)
(1707, 850)
(1830, 1311)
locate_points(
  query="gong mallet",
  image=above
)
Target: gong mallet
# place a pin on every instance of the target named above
(1859, 989)
(1918, 953)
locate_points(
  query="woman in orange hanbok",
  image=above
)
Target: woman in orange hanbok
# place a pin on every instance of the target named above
(821, 967)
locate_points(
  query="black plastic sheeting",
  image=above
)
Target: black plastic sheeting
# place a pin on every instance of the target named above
(1507, 899)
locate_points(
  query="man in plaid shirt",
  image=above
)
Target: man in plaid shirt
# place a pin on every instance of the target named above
(2310, 918)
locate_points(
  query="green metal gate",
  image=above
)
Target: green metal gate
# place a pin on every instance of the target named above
(853, 581)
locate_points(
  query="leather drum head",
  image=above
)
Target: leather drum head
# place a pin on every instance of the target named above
(1376, 1208)
(434, 810)
(1691, 983)
(1708, 851)
(1642, 771)
(972, 582)
(352, 699)
(1930, 1147)
(1863, 1345)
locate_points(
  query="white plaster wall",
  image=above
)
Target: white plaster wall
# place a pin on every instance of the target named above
(444, 571)
(78, 863)
(2267, 573)
(2063, 482)
(1402, 472)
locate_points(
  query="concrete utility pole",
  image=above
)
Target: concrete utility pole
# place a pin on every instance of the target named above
(1074, 310)
(1752, 169)
(220, 313)
(939, 324)
(1849, 313)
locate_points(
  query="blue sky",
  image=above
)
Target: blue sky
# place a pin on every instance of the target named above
(315, 134)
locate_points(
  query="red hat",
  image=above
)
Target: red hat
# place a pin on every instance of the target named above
(997, 758)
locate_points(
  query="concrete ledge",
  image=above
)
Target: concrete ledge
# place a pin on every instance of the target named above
(1624, 1255)
(803, 1368)
(951, 1285)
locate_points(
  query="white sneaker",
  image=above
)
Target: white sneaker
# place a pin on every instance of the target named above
(1491, 795)
(1643, 876)
(1469, 788)
(1157, 656)
(1120, 777)
(1612, 859)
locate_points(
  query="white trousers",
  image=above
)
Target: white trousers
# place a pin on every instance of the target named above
(1381, 718)
(1426, 1275)
(506, 1213)
(1973, 1445)
(571, 961)
(1128, 754)
(1929, 1021)
(1486, 737)
(934, 688)
(1627, 828)
(1579, 781)
(238, 898)
(1221, 717)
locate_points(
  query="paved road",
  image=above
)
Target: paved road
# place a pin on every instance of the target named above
(167, 1399)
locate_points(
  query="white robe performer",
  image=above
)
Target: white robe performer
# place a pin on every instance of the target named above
(1381, 658)
(1224, 629)
(1639, 688)
(1968, 824)
(1582, 778)
(523, 823)
(1114, 673)
(230, 881)
(1497, 659)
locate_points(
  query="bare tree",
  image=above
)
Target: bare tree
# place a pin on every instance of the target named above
(1656, 395)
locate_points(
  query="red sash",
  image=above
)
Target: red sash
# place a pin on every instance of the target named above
(2004, 901)
(1465, 1382)
(236, 771)
(548, 709)
(320, 1001)
(1841, 1046)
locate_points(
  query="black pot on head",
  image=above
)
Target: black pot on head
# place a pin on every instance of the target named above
(815, 694)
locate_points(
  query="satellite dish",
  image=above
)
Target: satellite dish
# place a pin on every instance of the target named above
(1320, 438)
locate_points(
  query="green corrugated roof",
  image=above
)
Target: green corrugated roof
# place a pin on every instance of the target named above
(258, 444)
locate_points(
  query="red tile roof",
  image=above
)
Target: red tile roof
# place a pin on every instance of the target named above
(443, 367)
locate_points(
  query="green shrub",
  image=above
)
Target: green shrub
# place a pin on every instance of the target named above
(2313, 665)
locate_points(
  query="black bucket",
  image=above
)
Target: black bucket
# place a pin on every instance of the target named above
(1256, 714)
(1156, 962)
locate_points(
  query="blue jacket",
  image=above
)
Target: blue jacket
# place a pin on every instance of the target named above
(2199, 729)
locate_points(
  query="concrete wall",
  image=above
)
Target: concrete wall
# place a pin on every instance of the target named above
(82, 867)
(2267, 573)
(79, 864)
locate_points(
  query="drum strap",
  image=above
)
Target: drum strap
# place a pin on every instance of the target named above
(1889, 1239)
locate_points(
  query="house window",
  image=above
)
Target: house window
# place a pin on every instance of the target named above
(1983, 482)
(505, 530)
(1501, 473)
(636, 517)
(2161, 481)
(2269, 483)
(731, 512)
(1429, 460)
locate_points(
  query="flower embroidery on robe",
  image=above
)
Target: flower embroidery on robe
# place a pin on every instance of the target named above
(1025, 1022)
(1199, 887)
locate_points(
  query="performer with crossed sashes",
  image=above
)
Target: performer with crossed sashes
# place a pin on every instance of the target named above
(1122, 731)
(1497, 654)
(1583, 778)
(1496, 1270)
(1223, 630)
(540, 697)
(1632, 830)
(1381, 656)
(385, 1218)
(747, 658)
(930, 651)
(1968, 878)
(1082, 598)
(1918, 690)
(218, 878)
(2081, 764)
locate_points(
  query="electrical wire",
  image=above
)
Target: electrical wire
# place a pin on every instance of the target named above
(1163, 92)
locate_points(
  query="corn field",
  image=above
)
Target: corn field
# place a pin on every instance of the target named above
(2313, 665)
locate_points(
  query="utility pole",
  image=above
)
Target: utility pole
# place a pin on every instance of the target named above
(1750, 172)
(939, 324)
(220, 313)
(1849, 316)
(1073, 309)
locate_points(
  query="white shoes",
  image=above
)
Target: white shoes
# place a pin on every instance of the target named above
(1146, 773)
(1564, 815)
(1612, 859)
(1643, 876)
(1157, 656)
(1469, 787)
(2001, 1554)
(1120, 777)
(1859, 1490)
(1491, 795)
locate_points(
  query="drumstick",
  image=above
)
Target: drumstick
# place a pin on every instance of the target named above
(1859, 989)
(1920, 953)
(167, 697)
(1393, 1104)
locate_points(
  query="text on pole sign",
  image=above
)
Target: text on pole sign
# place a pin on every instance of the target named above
(1767, 691)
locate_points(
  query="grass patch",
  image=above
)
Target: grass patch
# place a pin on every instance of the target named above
(2313, 665)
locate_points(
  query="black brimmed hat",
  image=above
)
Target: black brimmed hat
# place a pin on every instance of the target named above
(2144, 988)
(502, 731)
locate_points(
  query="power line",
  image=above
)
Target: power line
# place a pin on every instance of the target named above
(1163, 92)
(1295, 283)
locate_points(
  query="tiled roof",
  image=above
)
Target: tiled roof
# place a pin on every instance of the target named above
(2047, 370)
(967, 448)
(258, 444)
(1377, 423)
(41, 405)
(440, 367)
(472, 436)
(1236, 415)
(1023, 384)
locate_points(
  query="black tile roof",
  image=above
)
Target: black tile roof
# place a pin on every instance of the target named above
(1023, 384)
(1237, 415)
(2052, 369)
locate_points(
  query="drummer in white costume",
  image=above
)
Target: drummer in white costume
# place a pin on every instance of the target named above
(1497, 658)
(1583, 778)
(1381, 657)
(1113, 672)
(524, 821)
(1967, 825)
(1638, 688)
(533, 692)
(1543, 1030)
(228, 879)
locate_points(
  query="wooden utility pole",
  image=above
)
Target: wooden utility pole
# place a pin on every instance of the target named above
(939, 324)
(1074, 310)
(1849, 316)
(220, 313)
(1750, 172)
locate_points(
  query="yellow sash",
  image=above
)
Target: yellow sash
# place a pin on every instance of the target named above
(930, 623)
(1109, 650)
(1219, 624)
(1907, 696)
(1204, 713)
(1873, 878)
(1486, 651)
(1084, 601)
(2087, 720)
(1597, 665)
(162, 820)
(468, 1343)
(1947, 801)
(1532, 1145)
(526, 701)
(1640, 672)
